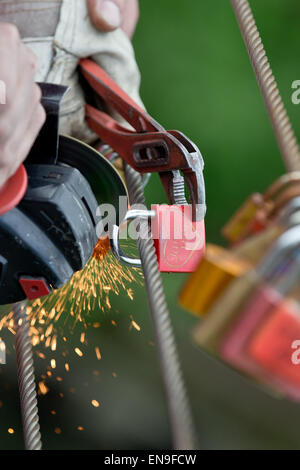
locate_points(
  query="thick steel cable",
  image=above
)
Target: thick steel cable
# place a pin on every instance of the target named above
(284, 133)
(26, 379)
(177, 401)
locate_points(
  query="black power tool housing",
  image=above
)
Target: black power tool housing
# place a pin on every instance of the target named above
(52, 232)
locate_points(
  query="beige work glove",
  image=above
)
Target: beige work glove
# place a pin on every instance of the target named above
(58, 54)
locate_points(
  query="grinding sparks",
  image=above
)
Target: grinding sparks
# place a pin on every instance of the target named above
(130, 294)
(135, 325)
(101, 249)
(88, 291)
(40, 355)
(98, 353)
(56, 320)
(82, 338)
(78, 352)
(43, 389)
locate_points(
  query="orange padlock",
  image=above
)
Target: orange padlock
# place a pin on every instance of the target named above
(259, 210)
(213, 275)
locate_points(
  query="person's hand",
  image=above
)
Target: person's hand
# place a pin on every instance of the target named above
(21, 113)
(108, 15)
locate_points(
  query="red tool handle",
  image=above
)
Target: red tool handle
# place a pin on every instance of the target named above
(148, 148)
(13, 190)
(117, 98)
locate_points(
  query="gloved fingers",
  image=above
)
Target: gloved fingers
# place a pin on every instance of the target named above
(105, 14)
(108, 15)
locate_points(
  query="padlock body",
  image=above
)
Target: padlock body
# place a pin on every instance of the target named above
(274, 347)
(240, 224)
(210, 332)
(217, 269)
(179, 241)
(255, 312)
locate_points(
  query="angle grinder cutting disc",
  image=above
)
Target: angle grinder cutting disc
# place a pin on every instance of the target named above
(105, 181)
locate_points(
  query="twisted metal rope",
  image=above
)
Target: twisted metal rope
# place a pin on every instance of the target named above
(177, 401)
(28, 397)
(284, 133)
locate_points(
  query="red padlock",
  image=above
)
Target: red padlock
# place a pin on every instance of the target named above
(179, 241)
(242, 346)
(275, 348)
(257, 310)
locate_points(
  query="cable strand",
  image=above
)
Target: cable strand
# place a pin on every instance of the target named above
(281, 124)
(177, 401)
(26, 379)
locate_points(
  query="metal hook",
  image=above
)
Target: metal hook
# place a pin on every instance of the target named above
(131, 215)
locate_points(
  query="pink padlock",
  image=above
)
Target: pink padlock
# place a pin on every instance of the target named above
(179, 241)
(233, 348)
(276, 347)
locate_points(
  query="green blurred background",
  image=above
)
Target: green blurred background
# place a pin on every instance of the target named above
(196, 77)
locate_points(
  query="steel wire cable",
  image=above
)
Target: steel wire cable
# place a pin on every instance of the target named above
(284, 133)
(177, 400)
(26, 379)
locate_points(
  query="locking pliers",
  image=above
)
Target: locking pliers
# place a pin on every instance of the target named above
(146, 146)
